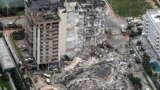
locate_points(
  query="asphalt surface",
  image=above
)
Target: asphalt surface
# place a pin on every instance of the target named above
(7, 20)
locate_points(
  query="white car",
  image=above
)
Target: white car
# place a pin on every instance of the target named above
(46, 75)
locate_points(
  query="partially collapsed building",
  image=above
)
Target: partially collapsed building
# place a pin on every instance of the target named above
(74, 28)
(56, 27)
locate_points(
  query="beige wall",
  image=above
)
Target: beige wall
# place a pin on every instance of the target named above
(70, 6)
(62, 33)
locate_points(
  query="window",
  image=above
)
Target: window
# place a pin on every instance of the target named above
(41, 24)
(46, 56)
(54, 59)
(41, 49)
(47, 27)
(41, 35)
(55, 52)
(55, 44)
(55, 34)
(48, 24)
(47, 34)
(46, 49)
(55, 41)
(41, 28)
(55, 48)
(54, 55)
(55, 23)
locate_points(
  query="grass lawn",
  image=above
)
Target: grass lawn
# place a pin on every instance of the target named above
(128, 8)
(4, 84)
(20, 13)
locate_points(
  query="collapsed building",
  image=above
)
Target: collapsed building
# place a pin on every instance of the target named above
(81, 27)
(85, 25)
(92, 67)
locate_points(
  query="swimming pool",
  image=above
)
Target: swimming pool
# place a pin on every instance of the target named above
(155, 66)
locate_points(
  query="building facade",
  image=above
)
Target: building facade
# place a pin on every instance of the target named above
(152, 28)
(44, 37)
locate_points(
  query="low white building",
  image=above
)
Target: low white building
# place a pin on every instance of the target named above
(152, 28)
(6, 60)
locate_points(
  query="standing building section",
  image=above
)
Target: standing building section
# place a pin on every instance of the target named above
(42, 30)
(152, 28)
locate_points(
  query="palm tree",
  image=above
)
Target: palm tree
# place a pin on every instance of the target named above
(4, 11)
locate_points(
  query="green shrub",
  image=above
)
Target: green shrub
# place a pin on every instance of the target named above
(5, 77)
(135, 81)
(18, 35)
(1, 35)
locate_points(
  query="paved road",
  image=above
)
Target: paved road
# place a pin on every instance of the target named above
(133, 46)
(13, 51)
(6, 20)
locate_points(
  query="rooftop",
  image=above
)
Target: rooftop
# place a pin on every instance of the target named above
(44, 10)
(5, 58)
(155, 16)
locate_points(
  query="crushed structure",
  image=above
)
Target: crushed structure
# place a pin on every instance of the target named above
(91, 67)
(93, 63)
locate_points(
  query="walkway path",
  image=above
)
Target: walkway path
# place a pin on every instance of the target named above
(150, 81)
(151, 3)
(11, 81)
(113, 16)
(147, 77)
(12, 17)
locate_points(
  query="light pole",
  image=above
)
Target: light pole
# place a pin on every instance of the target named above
(130, 9)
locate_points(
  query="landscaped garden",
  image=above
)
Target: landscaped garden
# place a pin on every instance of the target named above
(128, 8)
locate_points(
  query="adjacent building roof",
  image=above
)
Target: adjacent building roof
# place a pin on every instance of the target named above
(5, 57)
(154, 15)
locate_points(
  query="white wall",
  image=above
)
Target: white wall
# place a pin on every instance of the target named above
(62, 33)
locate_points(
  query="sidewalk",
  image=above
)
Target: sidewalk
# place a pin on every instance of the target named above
(147, 77)
(11, 81)
(150, 81)
(151, 3)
